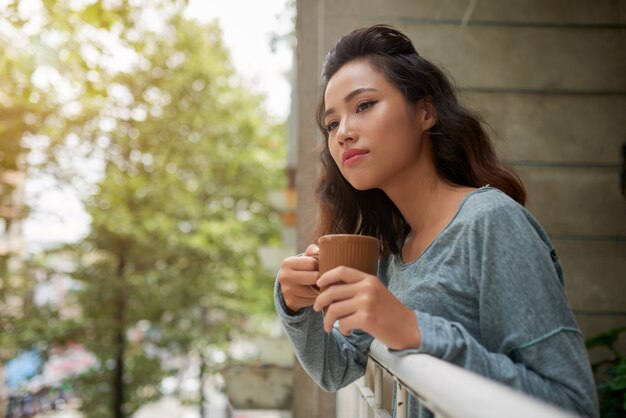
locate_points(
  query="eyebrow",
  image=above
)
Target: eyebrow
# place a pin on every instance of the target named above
(350, 96)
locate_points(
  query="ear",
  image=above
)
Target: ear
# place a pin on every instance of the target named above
(426, 113)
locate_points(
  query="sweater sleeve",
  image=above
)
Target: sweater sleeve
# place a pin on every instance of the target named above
(529, 339)
(331, 359)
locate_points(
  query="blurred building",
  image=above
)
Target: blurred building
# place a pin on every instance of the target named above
(549, 77)
(12, 206)
(12, 211)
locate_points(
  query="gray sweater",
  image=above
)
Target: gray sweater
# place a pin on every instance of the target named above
(488, 295)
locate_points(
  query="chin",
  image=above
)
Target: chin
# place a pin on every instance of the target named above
(361, 186)
(359, 182)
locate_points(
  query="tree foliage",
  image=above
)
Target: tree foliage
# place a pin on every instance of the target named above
(185, 156)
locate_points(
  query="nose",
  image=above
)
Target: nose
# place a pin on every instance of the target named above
(346, 132)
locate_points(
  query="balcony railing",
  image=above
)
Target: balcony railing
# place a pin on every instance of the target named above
(447, 390)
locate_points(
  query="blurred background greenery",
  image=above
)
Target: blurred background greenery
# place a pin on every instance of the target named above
(140, 112)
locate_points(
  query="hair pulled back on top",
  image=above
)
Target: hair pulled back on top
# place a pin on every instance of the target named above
(463, 152)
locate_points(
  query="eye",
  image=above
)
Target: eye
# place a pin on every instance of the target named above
(365, 105)
(331, 126)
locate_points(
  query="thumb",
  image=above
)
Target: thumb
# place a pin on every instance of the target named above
(312, 251)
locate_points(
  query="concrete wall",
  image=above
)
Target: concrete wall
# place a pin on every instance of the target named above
(550, 78)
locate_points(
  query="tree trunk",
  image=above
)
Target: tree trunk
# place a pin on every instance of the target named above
(204, 322)
(202, 377)
(120, 342)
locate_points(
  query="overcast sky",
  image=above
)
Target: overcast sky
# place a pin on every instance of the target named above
(248, 34)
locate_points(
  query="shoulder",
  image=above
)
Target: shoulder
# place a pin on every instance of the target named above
(490, 206)
(491, 234)
(488, 201)
(489, 212)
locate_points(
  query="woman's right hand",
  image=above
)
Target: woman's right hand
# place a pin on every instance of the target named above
(296, 276)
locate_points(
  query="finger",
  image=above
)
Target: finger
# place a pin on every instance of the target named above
(301, 262)
(312, 250)
(301, 278)
(303, 292)
(341, 274)
(350, 323)
(333, 294)
(339, 311)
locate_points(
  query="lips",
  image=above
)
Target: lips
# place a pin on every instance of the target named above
(352, 155)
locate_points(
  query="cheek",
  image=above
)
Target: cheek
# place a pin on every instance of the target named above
(335, 152)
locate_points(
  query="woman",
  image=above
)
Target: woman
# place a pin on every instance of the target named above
(466, 273)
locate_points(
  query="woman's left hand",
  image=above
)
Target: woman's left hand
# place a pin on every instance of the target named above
(360, 301)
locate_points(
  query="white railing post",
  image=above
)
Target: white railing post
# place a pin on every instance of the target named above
(358, 396)
(362, 404)
(401, 401)
(378, 386)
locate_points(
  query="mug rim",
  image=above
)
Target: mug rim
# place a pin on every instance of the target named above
(329, 237)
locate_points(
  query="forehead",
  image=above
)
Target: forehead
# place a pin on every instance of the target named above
(351, 76)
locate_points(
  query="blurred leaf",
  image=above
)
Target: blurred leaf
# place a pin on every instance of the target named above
(605, 339)
(619, 381)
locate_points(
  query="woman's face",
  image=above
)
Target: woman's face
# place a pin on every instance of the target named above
(374, 135)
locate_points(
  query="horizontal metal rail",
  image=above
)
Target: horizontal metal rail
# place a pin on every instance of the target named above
(445, 389)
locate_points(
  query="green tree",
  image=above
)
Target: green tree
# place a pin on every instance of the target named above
(180, 211)
(186, 157)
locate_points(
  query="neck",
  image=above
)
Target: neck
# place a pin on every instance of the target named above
(422, 197)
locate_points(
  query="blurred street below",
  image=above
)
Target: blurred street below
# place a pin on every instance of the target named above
(170, 407)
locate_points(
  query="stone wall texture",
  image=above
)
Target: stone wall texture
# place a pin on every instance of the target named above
(550, 79)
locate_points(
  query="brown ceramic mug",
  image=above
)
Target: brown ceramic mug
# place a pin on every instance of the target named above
(356, 251)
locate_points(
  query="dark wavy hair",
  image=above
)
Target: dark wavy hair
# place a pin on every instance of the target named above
(463, 152)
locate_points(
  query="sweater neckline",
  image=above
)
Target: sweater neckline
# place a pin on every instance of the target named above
(398, 258)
